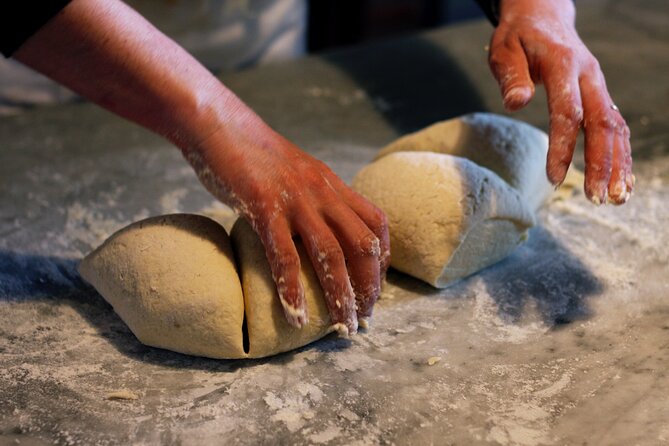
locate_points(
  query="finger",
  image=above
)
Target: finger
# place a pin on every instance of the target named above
(621, 172)
(509, 65)
(361, 251)
(284, 262)
(601, 125)
(374, 218)
(630, 179)
(566, 115)
(327, 258)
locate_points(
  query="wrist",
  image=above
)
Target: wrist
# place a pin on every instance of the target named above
(198, 116)
(225, 131)
(513, 10)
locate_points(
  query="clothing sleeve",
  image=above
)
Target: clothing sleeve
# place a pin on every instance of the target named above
(491, 10)
(20, 19)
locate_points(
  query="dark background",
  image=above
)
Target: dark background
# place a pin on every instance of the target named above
(337, 23)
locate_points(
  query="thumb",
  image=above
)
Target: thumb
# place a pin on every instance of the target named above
(508, 64)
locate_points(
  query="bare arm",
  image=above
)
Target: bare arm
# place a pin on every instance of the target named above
(108, 53)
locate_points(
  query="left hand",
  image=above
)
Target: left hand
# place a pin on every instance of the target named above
(536, 43)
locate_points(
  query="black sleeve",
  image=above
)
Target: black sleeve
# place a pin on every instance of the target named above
(20, 19)
(491, 9)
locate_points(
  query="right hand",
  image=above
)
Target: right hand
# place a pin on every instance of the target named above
(284, 192)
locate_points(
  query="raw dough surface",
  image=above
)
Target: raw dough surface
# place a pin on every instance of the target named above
(447, 216)
(512, 149)
(269, 333)
(173, 281)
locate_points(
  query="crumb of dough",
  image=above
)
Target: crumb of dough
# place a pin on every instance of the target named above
(122, 395)
(341, 329)
(433, 360)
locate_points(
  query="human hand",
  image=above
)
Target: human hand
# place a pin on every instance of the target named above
(108, 53)
(536, 42)
(283, 192)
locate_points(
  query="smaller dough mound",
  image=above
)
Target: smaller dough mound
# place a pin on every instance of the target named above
(173, 281)
(447, 216)
(512, 149)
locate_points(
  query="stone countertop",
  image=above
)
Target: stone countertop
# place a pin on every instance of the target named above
(564, 342)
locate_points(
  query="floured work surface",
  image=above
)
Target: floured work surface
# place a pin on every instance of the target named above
(565, 342)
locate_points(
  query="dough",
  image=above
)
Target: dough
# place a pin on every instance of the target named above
(269, 332)
(512, 149)
(173, 281)
(448, 217)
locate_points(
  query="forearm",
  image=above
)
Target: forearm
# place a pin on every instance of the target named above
(108, 53)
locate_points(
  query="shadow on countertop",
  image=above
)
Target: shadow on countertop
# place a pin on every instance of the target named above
(413, 82)
(542, 274)
(53, 280)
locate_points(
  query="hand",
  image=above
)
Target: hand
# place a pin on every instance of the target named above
(283, 192)
(536, 42)
(105, 51)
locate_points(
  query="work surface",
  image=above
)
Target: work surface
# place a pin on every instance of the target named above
(565, 342)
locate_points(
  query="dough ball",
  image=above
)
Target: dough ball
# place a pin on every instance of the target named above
(269, 332)
(173, 281)
(448, 217)
(512, 149)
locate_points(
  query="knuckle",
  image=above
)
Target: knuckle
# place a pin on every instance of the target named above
(603, 122)
(367, 245)
(591, 63)
(571, 115)
(377, 221)
(381, 219)
(287, 261)
(329, 252)
(568, 55)
(626, 131)
(621, 126)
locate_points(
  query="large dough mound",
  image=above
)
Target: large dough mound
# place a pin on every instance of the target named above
(512, 149)
(173, 281)
(448, 217)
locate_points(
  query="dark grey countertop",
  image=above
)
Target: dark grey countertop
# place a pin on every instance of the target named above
(565, 342)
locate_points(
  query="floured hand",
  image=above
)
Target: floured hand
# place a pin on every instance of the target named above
(536, 42)
(283, 193)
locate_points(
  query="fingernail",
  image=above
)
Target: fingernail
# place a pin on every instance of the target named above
(297, 317)
(619, 189)
(341, 329)
(516, 96)
(557, 183)
(596, 200)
